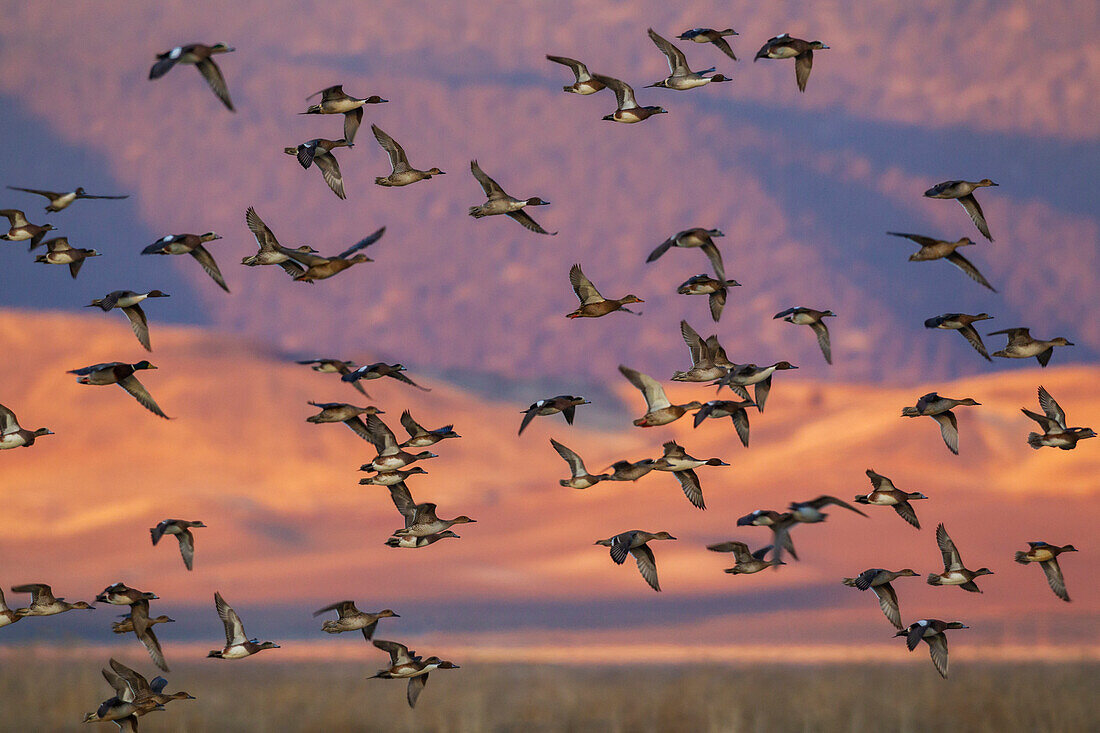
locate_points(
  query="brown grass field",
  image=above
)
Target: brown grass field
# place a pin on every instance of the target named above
(48, 695)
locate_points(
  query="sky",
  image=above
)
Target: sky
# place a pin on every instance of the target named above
(804, 187)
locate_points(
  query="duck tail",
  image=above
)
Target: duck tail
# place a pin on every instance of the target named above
(1035, 440)
(910, 412)
(933, 579)
(476, 212)
(850, 582)
(1021, 557)
(313, 109)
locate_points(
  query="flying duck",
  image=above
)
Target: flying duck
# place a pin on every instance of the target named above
(345, 413)
(884, 493)
(237, 643)
(198, 55)
(20, 230)
(335, 101)
(319, 151)
(696, 237)
(963, 192)
(1053, 422)
(116, 372)
(390, 456)
(705, 357)
(814, 319)
(565, 404)
(746, 563)
(129, 303)
(44, 603)
(931, 630)
(61, 200)
(779, 523)
(594, 305)
(322, 268)
(270, 252)
(579, 477)
(181, 528)
(381, 369)
(939, 409)
(627, 109)
(190, 244)
(1047, 556)
(401, 173)
(680, 76)
(659, 411)
(120, 594)
(809, 512)
(352, 619)
(13, 436)
(499, 202)
(406, 665)
(740, 376)
(335, 366)
(936, 249)
(962, 323)
(1021, 345)
(420, 437)
(954, 572)
(734, 410)
(709, 35)
(784, 46)
(879, 580)
(635, 542)
(704, 284)
(585, 83)
(60, 252)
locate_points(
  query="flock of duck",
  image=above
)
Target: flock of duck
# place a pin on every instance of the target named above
(393, 466)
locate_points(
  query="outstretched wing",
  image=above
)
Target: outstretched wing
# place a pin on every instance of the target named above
(583, 287)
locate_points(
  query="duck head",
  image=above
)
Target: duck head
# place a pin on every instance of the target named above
(143, 364)
(536, 201)
(631, 298)
(156, 294)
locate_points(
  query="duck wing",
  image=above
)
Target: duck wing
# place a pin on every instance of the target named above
(416, 686)
(1045, 423)
(888, 602)
(205, 259)
(949, 429)
(822, 332)
(139, 324)
(647, 565)
(234, 629)
(399, 162)
(138, 392)
(528, 416)
(740, 420)
(710, 249)
(951, 558)
(677, 61)
(187, 548)
(214, 78)
(402, 499)
(975, 210)
(121, 687)
(906, 512)
(694, 343)
(15, 217)
(265, 238)
(143, 630)
(661, 249)
(693, 490)
(762, 390)
(576, 465)
(803, 65)
(624, 93)
(8, 424)
(381, 435)
(739, 549)
(344, 608)
(330, 171)
(879, 482)
(583, 287)
(918, 238)
(41, 594)
(968, 267)
(361, 244)
(937, 648)
(48, 194)
(352, 120)
(135, 682)
(525, 219)
(491, 188)
(971, 335)
(825, 500)
(1054, 578)
(717, 301)
(579, 70)
(412, 427)
(654, 393)
(1052, 408)
(399, 653)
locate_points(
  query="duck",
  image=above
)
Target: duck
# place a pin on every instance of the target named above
(1053, 422)
(636, 542)
(21, 230)
(936, 249)
(627, 109)
(963, 192)
(190, 244)
(60, 252)
(181, 528)
(122, 374)
(345, 413)
(784, 46)
(131, 686)
(352, 619)
(420, 437)
(401, 173)
(579, 477)
(682, 466)
(809, 512)
(43, 602)
(695, 237)
(129, 302)
(954, 572)
(659, 411)
(390, 456)
(335, 366)
(779, 523)
(585, 84)
(126, 625)
(594, 305)
(499, 202)
(716, 290)
(418, 542)
(118, 711)
(563, 403)
(740, 376)
(1046, 555)
(964, 324)
(424, 522)
(709, 35)
(802, 316)
(335, 101)
(630, 471)
(389, 478)
(237, 643)
(406, 665)
(939, 409)
(746, 562)
(14, 436)
(931, 630)
(704, 357)
(884, 493)
(322, 268)
(200, 56)
(60, 200)
(379, 370)
(734, 410)
(141, 623)
(1021, 345)
(878, 580)
(270, 252)
(319, 151)
(7, 615)
(680, 76)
